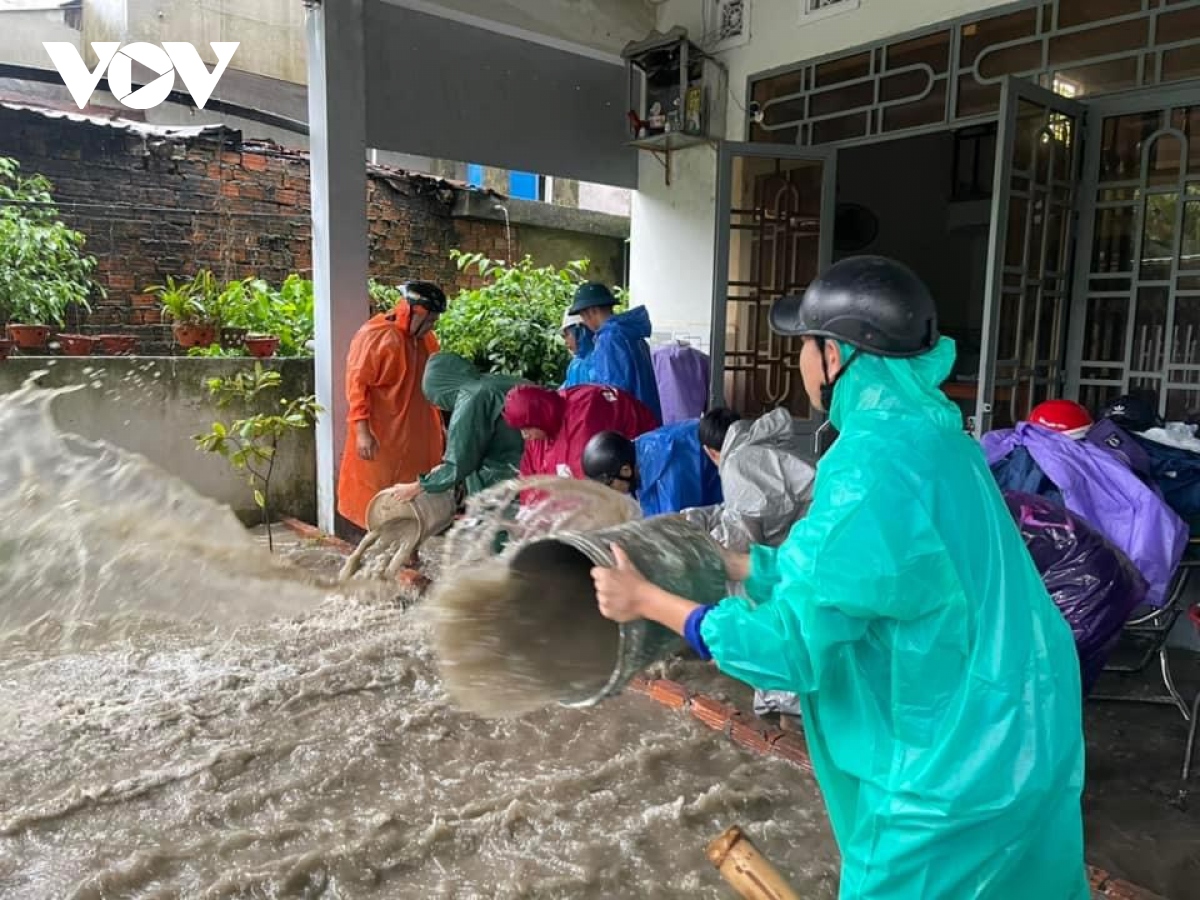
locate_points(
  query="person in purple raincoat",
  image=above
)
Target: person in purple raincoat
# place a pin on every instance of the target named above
(682, 373)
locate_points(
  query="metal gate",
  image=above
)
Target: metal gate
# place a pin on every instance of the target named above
(1138, 276)
(774, 235)
(1038, 161)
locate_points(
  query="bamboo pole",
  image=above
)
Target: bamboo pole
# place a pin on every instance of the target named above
(747, 871)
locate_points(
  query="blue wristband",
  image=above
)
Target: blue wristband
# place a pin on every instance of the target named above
(691, 631)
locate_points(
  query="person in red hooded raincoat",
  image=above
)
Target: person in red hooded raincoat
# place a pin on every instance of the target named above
(395, 434)
(557, 425)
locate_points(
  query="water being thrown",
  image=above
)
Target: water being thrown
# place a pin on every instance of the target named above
(89, 532)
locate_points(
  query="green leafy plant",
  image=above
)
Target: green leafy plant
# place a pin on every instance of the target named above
(215, 351)
(251, 444)
(513, 323)
(384, 297)
(43, 269)
(191, 302)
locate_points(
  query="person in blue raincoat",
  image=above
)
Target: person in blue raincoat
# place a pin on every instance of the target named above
(665, 470)
(579, 342)
(939, 685)
(620, 356)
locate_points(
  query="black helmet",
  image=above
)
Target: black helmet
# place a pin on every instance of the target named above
(1133, 412)
(875, 304)
(606, 455)
(426, 294)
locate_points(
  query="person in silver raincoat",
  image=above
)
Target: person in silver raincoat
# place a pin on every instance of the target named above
(765, 476)
(767, 481)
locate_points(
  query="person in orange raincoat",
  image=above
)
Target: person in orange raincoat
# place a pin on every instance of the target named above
(395, 434)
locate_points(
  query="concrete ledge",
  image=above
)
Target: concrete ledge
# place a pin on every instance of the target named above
(481, 205)
(154, 406)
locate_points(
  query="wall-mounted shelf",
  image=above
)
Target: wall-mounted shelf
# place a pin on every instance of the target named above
(676, 95)
(661, 146)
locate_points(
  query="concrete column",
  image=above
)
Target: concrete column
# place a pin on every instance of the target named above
(337, 117)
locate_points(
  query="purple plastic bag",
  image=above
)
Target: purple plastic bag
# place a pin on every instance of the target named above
(1093, 584)
(1101, 488)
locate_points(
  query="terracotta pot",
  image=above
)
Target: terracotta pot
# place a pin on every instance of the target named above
(193, 334)
(118, 344)
(233, 338)
(76, 344)
(262, 346)
(29, 338)
(5, 348)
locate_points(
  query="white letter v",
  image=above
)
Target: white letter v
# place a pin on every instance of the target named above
(196, 77)
(79, 81)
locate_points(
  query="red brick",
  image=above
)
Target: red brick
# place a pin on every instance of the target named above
(712, 713)
(255, 162)
(752, 733)
(637, 685)
(286, 197)
(230, 189)
(793, 748)
(670, 693)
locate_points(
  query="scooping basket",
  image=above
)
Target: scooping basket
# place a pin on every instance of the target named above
(670, 552)
(517, 582)
(401, 526)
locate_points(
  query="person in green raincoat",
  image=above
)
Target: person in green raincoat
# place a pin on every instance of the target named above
(938, 683)
(481, 449)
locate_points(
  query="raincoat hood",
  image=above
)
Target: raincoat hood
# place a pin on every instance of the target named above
(776, 427)
(885, 387)
(635, 323)
(530, 406)
(445, 375)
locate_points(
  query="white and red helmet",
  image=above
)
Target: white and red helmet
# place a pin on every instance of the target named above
(1066, 417)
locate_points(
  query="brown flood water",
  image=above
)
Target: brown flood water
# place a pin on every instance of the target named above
(319, 758)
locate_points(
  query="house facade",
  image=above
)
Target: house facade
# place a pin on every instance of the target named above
(1034, 162)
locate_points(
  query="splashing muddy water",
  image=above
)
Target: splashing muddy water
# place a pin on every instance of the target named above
(184, 716)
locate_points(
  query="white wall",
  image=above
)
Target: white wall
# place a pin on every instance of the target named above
(671, 244)
(24, 24)
(671, 258)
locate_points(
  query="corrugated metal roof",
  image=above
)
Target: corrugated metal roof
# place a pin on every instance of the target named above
(116, 122)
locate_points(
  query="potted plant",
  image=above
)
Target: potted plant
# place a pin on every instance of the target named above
(262, 346)
(76, 344)
(188, 305)
(43, 269)
(232, 310)
(118, 344)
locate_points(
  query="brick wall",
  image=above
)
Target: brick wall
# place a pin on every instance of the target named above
(156, 208)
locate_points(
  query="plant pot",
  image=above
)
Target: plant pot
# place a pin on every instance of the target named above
(233, 338)
(5, 348)
(194, 334)
(262, 346)
(29, 338)
(118, 344)
(76, 344)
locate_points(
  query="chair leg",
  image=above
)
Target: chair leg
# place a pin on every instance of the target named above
(1191, 738)
(1169, 681)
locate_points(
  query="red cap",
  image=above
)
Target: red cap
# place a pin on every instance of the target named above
(1066, 417)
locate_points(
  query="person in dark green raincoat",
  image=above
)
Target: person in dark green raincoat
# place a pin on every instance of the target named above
(481, 450)
(938, 683)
